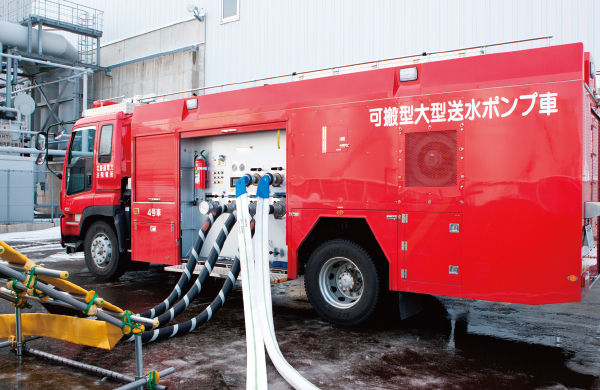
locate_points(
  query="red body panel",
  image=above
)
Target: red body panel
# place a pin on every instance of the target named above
(384, 229)
(526, 159)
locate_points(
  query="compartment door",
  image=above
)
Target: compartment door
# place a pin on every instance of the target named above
(432, 247)
(155, 225)
(154, 242)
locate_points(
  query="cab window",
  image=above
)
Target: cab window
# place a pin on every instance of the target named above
(105, 148)
(80, 160)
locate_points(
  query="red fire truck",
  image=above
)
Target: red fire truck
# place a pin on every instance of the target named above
(472, 177)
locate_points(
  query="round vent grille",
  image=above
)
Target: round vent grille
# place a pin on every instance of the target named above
(431, 159)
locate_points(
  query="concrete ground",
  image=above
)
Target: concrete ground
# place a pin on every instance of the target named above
(27, 227)
(453, 344)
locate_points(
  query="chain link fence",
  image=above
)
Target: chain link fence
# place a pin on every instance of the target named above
(17, 192)
(28, 195)
(47, 194)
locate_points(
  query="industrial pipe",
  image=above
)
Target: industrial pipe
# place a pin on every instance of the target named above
(16, 131)
(10, 109)
(44, 272)
(55, 45)
(5, 294)
(49, 63)
(59, 295)
(88, 367)
(51, 152)
(142, 382)
(5, 344)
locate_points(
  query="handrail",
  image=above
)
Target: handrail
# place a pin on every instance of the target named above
(375, 63)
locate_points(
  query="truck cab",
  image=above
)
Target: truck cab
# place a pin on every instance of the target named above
(95, 193)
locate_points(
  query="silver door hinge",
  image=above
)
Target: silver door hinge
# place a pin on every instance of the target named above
(391, 217)
(294, 214)
(403, 274)
(172, 226)
(404, 218)
(404, 246)
(134, 225)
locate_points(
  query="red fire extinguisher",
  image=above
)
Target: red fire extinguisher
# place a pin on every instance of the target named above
(200, 171)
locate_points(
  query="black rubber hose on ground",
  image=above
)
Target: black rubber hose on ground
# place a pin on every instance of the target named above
(186, 275)
(209, 264)
(204, 316)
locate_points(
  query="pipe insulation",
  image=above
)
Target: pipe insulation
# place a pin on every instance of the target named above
(55, 45)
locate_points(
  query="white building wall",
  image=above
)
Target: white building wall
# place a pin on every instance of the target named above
(274, 37)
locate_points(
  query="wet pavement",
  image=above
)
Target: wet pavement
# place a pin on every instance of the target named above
(453, 344)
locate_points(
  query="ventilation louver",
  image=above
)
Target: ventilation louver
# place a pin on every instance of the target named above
(431, 159)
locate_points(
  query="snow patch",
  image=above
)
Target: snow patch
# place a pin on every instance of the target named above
(63, 257)
(39, 248)
(45, 234)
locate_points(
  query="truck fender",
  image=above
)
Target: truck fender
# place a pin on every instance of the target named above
(95, 211)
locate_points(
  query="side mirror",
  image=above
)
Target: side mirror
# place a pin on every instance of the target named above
(40, 142)
(41, 159)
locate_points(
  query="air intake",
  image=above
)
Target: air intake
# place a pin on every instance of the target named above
(431, 159)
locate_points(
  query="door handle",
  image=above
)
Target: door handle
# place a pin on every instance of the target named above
(89, 180)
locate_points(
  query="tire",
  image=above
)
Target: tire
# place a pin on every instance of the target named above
(341, 282)
(102, 255)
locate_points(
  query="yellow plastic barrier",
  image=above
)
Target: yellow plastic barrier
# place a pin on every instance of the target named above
(76, 330)
(7, 253)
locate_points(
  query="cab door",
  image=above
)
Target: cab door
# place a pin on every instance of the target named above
(155, 222)
(107, 173)
(79, 174)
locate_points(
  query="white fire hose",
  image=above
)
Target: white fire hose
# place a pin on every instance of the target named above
(256, 289)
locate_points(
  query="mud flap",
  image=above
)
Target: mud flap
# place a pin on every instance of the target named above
(409, 304)
(122, 234)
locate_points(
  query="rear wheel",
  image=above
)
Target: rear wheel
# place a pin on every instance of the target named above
(341, 282)
(102, 255)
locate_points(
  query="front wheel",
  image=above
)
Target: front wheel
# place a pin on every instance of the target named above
(102, 255)
(341, 282)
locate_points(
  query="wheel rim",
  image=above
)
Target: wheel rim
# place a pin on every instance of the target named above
(101, 250)
(341, 282)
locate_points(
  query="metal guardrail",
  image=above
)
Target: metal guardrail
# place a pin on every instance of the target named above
(56, 13)
(380, 64)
